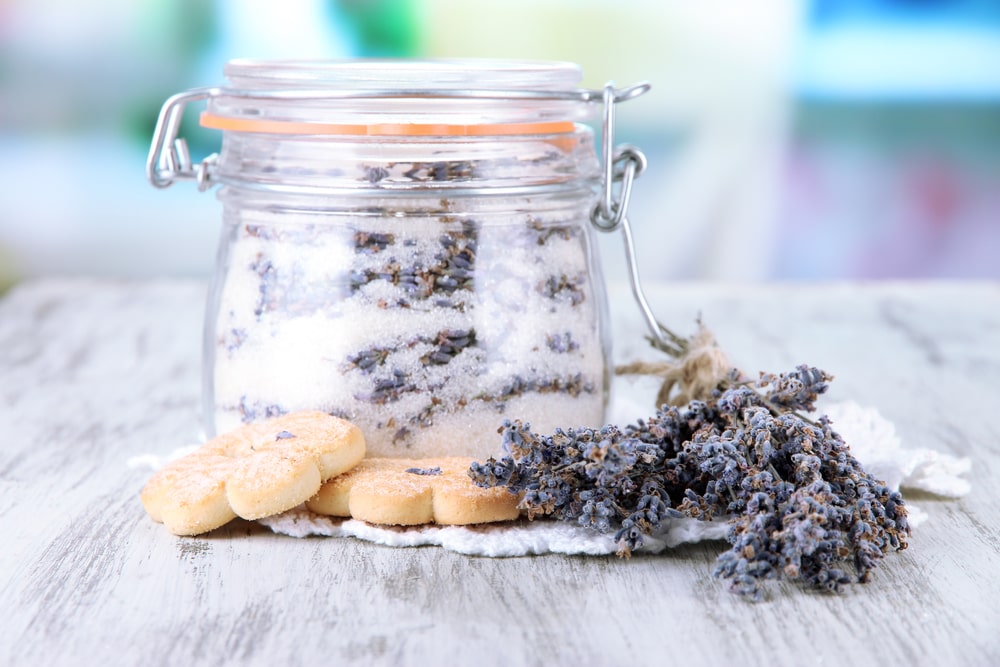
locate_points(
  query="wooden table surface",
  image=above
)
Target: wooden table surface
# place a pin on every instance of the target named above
(93, 373)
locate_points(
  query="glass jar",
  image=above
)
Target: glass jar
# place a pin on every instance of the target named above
(405, 244)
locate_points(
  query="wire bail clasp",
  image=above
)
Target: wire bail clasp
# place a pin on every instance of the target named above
(169, 158)
(622, 165)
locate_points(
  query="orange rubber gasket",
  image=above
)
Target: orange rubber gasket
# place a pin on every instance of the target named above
(215, 122)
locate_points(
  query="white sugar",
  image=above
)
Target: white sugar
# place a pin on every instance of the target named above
(425, 332)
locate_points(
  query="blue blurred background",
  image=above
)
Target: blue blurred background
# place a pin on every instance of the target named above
(832, 139)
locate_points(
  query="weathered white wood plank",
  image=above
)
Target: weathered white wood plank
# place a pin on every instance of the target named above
(92, 373)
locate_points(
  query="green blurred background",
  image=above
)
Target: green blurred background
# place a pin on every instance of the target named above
(788, 140)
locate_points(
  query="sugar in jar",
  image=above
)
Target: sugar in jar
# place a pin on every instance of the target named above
(406, 244)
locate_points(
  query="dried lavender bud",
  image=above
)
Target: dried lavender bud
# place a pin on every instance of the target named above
(440, 171)
(563, 288)
(561, 342)
(254, 411)
(450, 343)
(284, 435)
(545, 232)
(800, 506)
(796, 390)
(389, 388)
(369, 243)
(367, 360)
(424, 471)
(265, 269)
(375, 174)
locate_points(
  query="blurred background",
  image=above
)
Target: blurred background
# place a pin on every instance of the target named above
(788, 140)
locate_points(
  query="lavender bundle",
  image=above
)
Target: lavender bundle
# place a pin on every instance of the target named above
(799, 505)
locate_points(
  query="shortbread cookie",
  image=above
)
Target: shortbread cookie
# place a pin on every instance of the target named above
(407, 492)
(254, 471)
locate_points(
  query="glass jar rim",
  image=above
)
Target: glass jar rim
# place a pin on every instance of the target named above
(388, 74)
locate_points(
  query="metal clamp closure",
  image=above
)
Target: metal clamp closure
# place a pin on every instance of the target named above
(169, 158)
(622, 165)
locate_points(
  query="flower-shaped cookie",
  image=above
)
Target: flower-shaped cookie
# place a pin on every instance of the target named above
(254, 471)
(407, 492)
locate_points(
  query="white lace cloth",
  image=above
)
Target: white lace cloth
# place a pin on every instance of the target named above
(872, 438)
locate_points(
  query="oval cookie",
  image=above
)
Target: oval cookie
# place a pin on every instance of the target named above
(254, 471)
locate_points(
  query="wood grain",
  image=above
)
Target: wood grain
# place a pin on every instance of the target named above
(94, 373)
